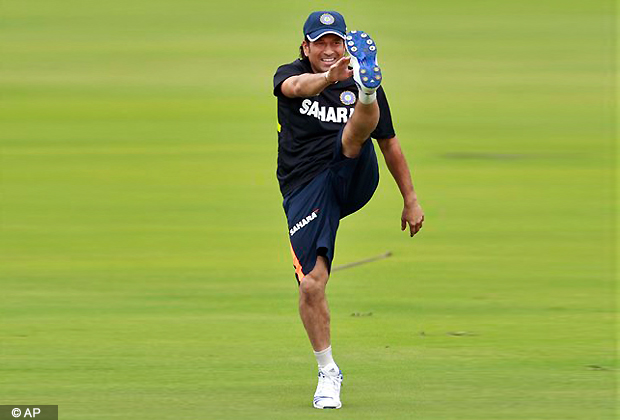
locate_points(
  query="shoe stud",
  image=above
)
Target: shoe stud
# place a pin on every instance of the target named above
(372, 48)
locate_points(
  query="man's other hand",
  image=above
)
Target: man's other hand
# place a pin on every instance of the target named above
(412, 215)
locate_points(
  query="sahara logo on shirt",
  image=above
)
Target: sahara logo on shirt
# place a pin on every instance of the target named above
(325, 113)
(304, 222)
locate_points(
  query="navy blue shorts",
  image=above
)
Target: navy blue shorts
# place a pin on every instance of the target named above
(314, 210)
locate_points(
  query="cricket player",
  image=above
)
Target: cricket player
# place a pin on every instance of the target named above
(329, 107)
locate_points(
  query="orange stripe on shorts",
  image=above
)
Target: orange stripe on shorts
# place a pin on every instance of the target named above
(300, 274)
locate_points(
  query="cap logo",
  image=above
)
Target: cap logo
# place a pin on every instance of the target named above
(327, 19)
(347, 97)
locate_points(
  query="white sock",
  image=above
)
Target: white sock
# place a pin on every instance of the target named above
(324, 357)
(366, 98)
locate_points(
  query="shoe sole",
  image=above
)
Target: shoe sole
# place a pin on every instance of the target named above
(361, 46)
(328, 408)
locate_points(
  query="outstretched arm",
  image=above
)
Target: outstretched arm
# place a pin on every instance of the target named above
(311, 84)
(396, 163)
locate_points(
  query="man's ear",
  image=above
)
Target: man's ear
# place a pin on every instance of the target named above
(306, 46)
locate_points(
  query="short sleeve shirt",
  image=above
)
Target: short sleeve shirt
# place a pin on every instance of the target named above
(309, 127)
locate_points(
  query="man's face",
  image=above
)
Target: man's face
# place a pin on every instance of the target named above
(324, 52)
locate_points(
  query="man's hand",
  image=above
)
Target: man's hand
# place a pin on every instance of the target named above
(339, 71)
(414, 215)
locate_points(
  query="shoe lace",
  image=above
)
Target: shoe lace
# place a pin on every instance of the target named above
(329, 383)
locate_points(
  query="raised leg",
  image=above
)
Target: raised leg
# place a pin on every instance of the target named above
(359, 127)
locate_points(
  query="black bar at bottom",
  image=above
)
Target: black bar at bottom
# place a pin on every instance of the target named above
(32, 412)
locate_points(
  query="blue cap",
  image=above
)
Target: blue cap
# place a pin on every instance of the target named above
(324, 22)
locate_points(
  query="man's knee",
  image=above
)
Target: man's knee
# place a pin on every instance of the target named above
(312, 286)
(311, 289)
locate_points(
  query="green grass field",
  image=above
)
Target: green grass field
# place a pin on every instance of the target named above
(144, 265)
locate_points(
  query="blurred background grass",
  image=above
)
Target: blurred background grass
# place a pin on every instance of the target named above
(143, 252)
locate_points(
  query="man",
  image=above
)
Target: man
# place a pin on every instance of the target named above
(327, 166)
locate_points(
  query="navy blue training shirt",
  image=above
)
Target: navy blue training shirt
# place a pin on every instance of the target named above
(308, 127)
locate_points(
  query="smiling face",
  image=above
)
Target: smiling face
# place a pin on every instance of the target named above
(324, 52)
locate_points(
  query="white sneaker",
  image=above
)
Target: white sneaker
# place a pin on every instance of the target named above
(327, 393)
(366, 70)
